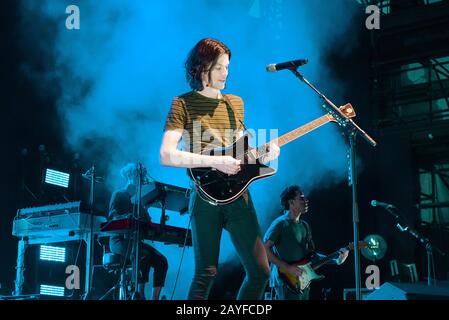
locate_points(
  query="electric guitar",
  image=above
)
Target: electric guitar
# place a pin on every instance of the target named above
(220, 188)
(308, 275)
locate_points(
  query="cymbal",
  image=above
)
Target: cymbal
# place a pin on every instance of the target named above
(376, 249)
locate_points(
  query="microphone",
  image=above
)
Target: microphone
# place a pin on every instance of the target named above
(88, 175)
(146, 179)
(291, 65)
(387, 206)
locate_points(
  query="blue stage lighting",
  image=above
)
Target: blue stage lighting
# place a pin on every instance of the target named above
(57, 178)
(50, 253)
(48, 290)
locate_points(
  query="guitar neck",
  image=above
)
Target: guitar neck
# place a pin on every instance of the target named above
(294, 134)
(327, 259)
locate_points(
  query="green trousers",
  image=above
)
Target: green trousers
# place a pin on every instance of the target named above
(240, 220)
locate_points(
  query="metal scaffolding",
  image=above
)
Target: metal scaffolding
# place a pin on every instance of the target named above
(410, 97)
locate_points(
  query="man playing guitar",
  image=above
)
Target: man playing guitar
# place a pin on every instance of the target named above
(289, 239)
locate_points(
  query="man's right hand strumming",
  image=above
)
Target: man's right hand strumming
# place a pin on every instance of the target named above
(294, 270)
(227, 164)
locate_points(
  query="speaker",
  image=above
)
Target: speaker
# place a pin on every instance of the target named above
(350, 294)
(410, 291)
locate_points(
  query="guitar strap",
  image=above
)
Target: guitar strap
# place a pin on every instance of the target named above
(228, 102)
(308, 236)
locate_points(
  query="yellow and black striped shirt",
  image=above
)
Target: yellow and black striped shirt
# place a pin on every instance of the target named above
(206, 122)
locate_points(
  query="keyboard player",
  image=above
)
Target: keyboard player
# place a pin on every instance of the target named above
(121, 206)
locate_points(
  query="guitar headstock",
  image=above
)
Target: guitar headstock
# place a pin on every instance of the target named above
(347, 110)
(362, 245)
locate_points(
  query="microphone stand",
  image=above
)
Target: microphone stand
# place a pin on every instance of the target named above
(351, 129)
(404, 226)
(136, 244)
(90, 174)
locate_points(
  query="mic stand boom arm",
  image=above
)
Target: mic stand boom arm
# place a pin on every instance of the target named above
(334, 111)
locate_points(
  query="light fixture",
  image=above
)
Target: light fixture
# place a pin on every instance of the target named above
(48, 290)
(50, 253)
(57, 178)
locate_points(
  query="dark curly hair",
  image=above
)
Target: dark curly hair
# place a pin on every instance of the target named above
(289, 193)
(202, 58)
